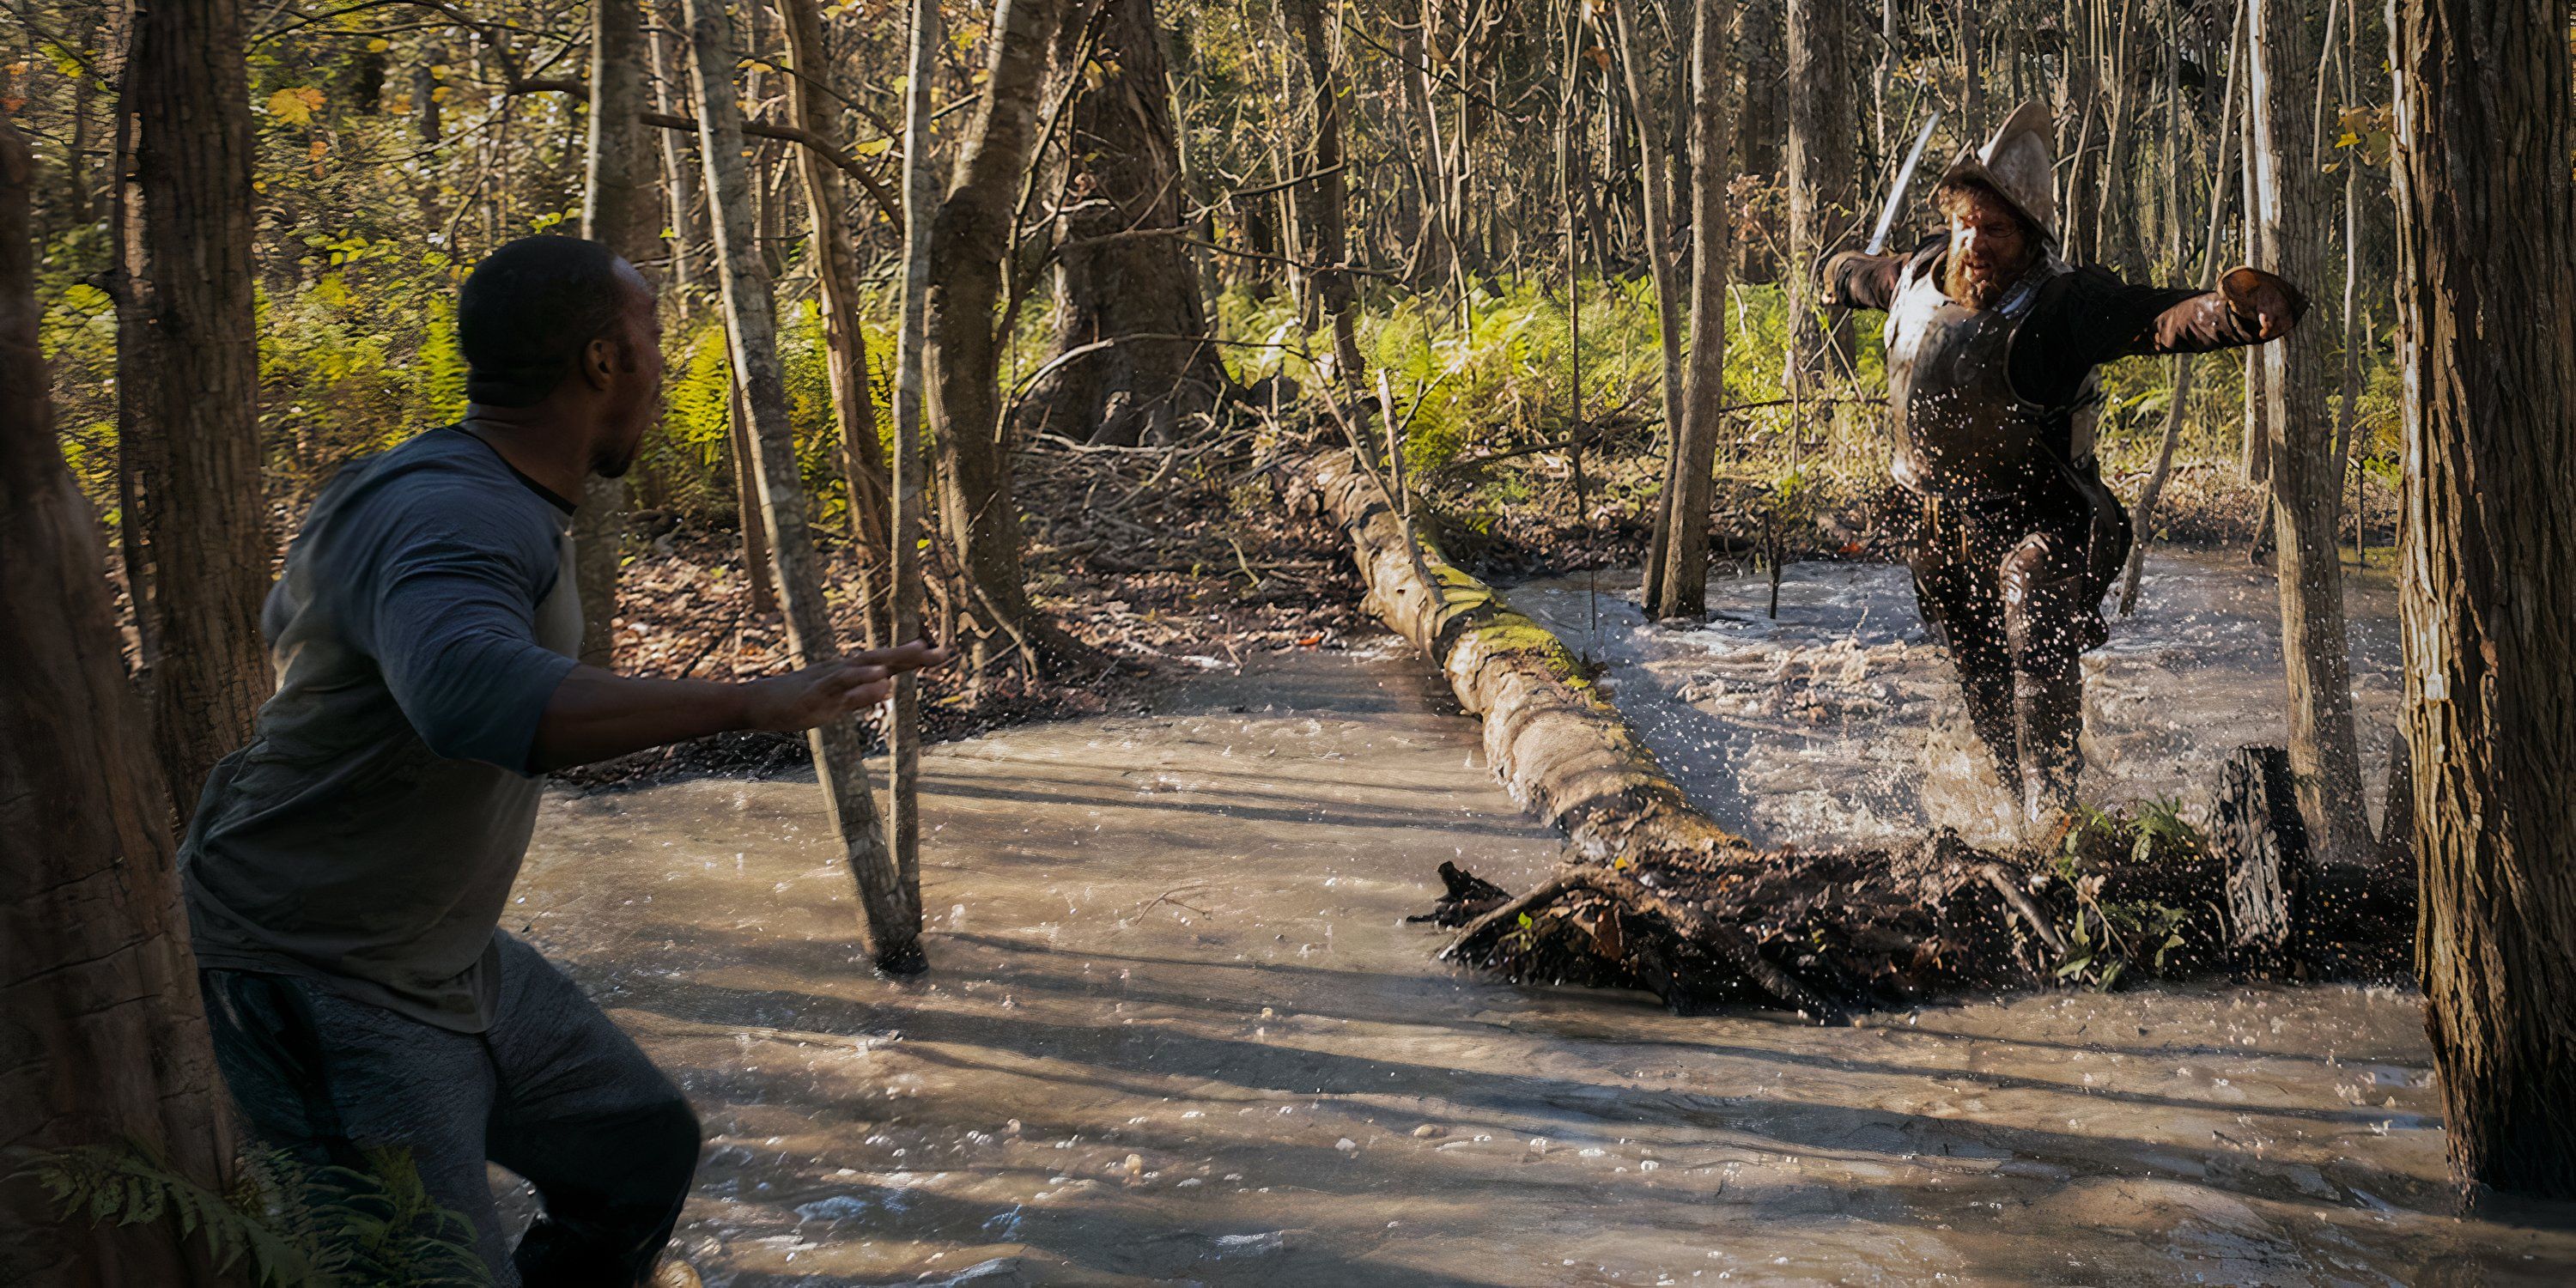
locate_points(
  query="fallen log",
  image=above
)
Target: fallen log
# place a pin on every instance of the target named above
(1656, 895)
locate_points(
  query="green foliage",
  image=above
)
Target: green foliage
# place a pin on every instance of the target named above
(282, 1223)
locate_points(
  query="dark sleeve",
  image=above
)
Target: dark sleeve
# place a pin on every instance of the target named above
(452, 627)
(1857, 281)
(2089, 317)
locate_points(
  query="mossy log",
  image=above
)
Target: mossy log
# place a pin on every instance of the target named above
(1654, 894)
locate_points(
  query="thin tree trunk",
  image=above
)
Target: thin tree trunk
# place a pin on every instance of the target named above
(2305, 479)
(1765, 118)
(1325, 208)
(107, 1037)
(1684, 591)
(920, 209)
(970, 242)
(2256, 455)
(621, 210)
(138, 467)
(2115, 223)
(1659, 262)
(893, 911)
(679, 170)
(746, 495)
(205, 519)
(2489, 358)
(1819, 181)
(2142, 517)
(836, 274)
(1970, 13)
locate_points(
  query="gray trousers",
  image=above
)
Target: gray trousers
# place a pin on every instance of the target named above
(552, 1091)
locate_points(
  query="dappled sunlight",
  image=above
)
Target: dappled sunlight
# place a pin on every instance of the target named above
(1176, 1029)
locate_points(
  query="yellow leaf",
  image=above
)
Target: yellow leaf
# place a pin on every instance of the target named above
(876, 147)
(379, 45)
(289, 106)
(438, 94)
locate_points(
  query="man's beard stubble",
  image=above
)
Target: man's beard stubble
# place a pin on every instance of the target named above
(1979, 286)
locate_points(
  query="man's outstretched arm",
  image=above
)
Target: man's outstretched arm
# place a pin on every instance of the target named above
(1857, 280)
(2088, 317)
(596, 715)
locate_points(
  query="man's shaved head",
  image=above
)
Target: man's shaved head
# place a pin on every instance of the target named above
(530, 309)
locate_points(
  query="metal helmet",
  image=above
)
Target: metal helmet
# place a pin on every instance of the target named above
(2019, 164)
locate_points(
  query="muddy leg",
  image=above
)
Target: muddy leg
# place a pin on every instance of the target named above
(1962, 607)
(2050, 626)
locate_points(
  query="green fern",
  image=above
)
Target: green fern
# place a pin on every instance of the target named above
(284, 1224)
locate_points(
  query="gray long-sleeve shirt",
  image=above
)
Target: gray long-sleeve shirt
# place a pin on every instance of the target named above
(368, 835)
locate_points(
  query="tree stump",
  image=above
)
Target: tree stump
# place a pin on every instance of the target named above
(2256, 830)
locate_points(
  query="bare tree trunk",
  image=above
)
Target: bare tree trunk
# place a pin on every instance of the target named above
(1684, 590)
(2115, 226)
(1324, 208)
(1819, 183)
(621, 210)
(746, 498)
(679, 170)
(1767, 116)
(893, 909)
(1972, 70)
(920, 208)
(1121, 270)
(138, 467)
(970, 242)
(836, 274)
(1659, 261)
(205, 520)
(2489, 353)
(2256, 456)
(107, 1039)
(2292, 221)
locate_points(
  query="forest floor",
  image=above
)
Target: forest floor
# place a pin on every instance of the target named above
(1177, 1030)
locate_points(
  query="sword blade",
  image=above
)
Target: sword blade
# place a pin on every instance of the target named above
(1896, 199)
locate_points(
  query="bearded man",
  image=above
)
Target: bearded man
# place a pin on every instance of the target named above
(1992, 347)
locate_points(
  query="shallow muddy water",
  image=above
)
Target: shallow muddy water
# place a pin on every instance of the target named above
(1178, 1032)
(1840, 723)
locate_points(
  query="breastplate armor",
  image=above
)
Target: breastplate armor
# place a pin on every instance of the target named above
(1962, 431)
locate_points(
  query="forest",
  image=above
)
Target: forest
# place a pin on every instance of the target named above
(1178, 361)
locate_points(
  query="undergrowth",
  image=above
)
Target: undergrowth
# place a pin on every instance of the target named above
(280, 1224)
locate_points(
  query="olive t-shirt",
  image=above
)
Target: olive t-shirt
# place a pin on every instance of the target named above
(368, 835)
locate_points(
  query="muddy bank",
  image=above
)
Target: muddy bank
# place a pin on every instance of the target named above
(1087, 1089)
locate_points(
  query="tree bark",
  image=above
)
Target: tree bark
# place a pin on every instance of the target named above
(920, 206)
(107, 1040)
(621, 209)
(971, 239)
(2489, 584)
(1121, 269)
(893, 907)
(205, 519)
(1683, 591)
(836, 275)
(1764, 117)
(1323, 206)
(2293, 212)
(1819, 180)
(746, 498)
(679, 170)
(1659, 262)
